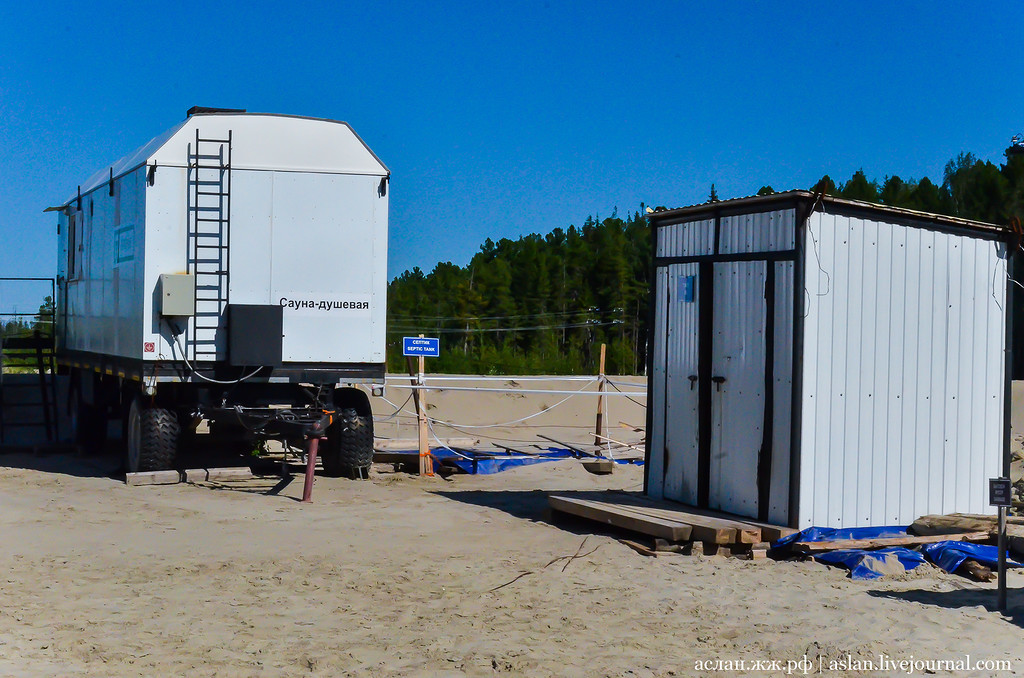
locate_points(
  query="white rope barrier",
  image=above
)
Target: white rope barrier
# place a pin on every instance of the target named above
(642, 394)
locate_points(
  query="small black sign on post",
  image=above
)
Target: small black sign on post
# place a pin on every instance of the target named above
(1000, 495)
(999, 492)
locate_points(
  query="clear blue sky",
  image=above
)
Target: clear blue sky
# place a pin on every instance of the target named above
(499, 119)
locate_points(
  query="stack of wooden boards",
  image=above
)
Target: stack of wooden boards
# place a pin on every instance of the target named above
(948, 526)
(673, 526)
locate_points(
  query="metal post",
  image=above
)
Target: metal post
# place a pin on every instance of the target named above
(1001, 599)
(312, 444)
(426, 463)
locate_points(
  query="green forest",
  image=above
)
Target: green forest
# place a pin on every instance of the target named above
(543, 304)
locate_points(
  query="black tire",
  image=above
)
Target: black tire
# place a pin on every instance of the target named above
(348, 450)
(151, 440)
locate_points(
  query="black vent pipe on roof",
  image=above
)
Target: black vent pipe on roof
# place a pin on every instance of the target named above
(204, 110)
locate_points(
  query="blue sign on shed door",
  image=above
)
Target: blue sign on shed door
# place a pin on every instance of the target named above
(687, 285)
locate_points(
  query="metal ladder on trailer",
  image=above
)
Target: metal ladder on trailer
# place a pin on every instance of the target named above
(209, 236)
(16, 351)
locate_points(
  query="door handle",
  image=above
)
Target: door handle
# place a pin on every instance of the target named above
(718, 381)
(693, 380)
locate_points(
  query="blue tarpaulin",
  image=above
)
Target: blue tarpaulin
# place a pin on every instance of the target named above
(474, 462)
(873, 563)
(865, 564)
(834, 533)
(950, 555)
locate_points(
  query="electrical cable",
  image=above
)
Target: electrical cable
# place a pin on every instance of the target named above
(194, 371)
(635, 402)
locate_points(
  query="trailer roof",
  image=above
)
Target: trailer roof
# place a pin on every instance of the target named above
(757, 203)
(272, 142)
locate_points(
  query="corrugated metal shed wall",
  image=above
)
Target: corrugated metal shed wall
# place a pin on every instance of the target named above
(902, 389)
(782, 403)
(687, 239)
(681, 421)
(654, 469)
(758, 232)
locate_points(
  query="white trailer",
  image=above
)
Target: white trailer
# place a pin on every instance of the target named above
(232, 265)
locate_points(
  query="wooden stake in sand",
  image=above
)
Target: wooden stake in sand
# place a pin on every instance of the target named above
(420, 398)
(599, 423)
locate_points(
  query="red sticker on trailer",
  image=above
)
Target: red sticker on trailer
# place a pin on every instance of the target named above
(149, 347)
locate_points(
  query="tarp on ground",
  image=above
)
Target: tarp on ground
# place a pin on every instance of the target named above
(873, 563)
(474, 462)
(950, 555)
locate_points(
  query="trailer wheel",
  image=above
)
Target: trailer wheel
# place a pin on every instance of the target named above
(349, 448)
(152, 438)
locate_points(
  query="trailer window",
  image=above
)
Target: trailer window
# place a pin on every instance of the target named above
(74, 226)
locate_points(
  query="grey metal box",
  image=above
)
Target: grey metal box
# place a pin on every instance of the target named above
(177, 294)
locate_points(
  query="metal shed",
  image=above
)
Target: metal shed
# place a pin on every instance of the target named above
(820, 361)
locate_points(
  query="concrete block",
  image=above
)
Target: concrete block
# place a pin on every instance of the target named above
(153, 478)
(235, 473)
(195, 475)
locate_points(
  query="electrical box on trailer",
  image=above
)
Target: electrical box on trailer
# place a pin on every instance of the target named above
(177, 294)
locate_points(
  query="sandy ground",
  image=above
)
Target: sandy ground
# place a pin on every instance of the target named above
(406, 576)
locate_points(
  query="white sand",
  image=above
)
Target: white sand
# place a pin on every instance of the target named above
(393, 577)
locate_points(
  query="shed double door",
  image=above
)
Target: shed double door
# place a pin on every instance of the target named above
(720, 381)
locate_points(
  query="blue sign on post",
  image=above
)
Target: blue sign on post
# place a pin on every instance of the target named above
(429, 347)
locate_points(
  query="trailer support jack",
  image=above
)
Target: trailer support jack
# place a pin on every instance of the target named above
(312, 445)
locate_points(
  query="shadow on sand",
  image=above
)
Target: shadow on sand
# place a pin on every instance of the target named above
(960, 598)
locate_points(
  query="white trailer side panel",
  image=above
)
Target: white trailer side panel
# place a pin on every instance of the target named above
(329, 253)
(166, 250)
(97, 295)
(902, 389)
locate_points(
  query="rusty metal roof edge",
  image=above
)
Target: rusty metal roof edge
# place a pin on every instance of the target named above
(737, 204)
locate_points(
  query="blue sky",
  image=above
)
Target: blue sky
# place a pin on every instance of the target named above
(501, 119)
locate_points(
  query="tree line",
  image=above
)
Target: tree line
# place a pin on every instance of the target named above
(544, 303)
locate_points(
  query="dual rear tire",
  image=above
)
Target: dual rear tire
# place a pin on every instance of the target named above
(151, 438)
(348, 450)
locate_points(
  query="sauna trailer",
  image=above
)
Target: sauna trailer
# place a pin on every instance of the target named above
(821, 361)
(232, 269)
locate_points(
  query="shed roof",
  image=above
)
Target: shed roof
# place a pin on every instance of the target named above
(761, 203)
(260, 141)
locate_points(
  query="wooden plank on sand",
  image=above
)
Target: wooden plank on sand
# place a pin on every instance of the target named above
(703, 524)
(769, 532)
(622, 517)
(882, 542)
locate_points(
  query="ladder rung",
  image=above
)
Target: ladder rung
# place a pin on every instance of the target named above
(215, 141)
(208, 182)
(216, 193)
(213, 221)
